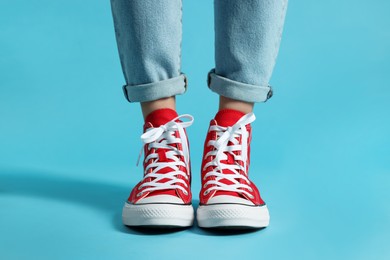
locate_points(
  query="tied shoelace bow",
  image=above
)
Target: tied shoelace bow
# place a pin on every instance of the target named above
(224, 136)
(163, 137)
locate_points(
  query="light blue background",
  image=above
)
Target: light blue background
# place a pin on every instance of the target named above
(69, 140)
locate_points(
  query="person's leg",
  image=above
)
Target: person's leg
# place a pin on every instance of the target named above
(247, 37)
(149, 34)
(231, 103)
(150, 106)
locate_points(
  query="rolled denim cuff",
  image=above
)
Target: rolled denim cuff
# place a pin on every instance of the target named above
(238, 90)
(156, 90)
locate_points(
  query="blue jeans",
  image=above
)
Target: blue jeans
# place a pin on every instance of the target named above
(247, 38)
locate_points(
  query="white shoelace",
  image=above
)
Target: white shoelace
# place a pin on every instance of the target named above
(161, 138)
(224, 136)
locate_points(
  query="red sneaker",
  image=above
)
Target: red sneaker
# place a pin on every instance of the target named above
(163, 196)
(228, 198)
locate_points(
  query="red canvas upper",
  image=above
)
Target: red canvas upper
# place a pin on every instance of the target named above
(156, 119)
(226, 118)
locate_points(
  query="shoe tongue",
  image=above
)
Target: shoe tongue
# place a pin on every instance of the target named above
(167, 169)
(228, 117)
(228, 193)
(157, 118)
(161, 116)
(172, 192)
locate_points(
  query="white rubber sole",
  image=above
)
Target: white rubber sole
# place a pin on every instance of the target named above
(232, 216)
(164, 215)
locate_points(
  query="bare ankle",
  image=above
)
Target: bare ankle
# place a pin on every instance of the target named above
(150, 106)
(228, 103)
